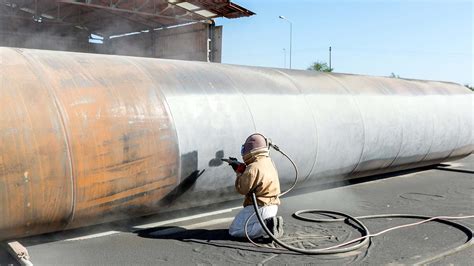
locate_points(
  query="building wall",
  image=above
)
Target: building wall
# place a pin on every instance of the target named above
(184, 43)
(188, 42)
(28, 34)
(216, 49)
(134, 45)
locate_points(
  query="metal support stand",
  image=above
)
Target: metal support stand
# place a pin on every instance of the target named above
(19, 252)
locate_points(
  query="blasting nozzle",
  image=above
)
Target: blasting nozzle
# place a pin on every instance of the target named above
(238, 167)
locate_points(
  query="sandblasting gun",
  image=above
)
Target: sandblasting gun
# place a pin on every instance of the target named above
(238, 167)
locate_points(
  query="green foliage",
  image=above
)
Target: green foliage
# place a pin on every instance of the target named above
(320, 66)
(393, 75)
(469, 87)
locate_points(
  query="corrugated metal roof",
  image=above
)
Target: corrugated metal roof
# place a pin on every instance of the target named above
(225, 8)
(110, 17)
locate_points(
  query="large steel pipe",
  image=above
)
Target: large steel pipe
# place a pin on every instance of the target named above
(86, 139)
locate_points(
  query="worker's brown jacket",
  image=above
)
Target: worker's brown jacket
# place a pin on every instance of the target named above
(260, 175)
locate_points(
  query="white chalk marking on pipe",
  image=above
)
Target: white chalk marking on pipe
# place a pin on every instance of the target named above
(170, 231)
(92, 236)
(183, 219)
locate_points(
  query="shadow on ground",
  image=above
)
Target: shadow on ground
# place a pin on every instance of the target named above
(217, 238)
(197, 234)
(6, 258)
(179, 233)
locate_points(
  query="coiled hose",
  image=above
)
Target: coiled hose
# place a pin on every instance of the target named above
(366, 235)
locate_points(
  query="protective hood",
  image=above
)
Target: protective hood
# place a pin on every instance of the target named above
(253, 155)
(253, 142)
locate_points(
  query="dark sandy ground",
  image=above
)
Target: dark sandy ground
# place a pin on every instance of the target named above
(443, 190)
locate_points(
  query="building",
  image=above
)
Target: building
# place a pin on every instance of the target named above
(174, 29)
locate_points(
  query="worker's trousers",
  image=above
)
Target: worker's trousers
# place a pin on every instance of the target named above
(254, 228)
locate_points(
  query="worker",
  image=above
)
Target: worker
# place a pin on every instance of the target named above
(257, 175)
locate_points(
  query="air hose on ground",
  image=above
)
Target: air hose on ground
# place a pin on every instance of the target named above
(357, 242)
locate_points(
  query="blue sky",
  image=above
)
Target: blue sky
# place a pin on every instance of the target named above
(424, 39)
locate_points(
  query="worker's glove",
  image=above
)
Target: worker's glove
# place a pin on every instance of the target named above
(238, 167)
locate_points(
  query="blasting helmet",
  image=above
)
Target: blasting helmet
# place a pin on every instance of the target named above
(253, 142)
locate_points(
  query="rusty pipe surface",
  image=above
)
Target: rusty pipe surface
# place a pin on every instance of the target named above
(87, 138)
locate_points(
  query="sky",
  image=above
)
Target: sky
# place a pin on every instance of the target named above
(421, 39)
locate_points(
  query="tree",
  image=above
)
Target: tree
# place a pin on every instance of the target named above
(469, 87)
(320, 66)
(393, 75)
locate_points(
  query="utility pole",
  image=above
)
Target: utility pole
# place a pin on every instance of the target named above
(330, 67)
(291, 34)
(291, 40)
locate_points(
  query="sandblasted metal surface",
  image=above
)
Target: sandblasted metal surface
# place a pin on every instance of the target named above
(87, 138)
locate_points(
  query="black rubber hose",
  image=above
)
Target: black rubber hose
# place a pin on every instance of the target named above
(365, 238)
(329, 250)
(294, 166)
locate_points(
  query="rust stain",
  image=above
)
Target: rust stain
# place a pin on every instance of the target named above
(90, 138)
(114, 127)
(120, 195)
